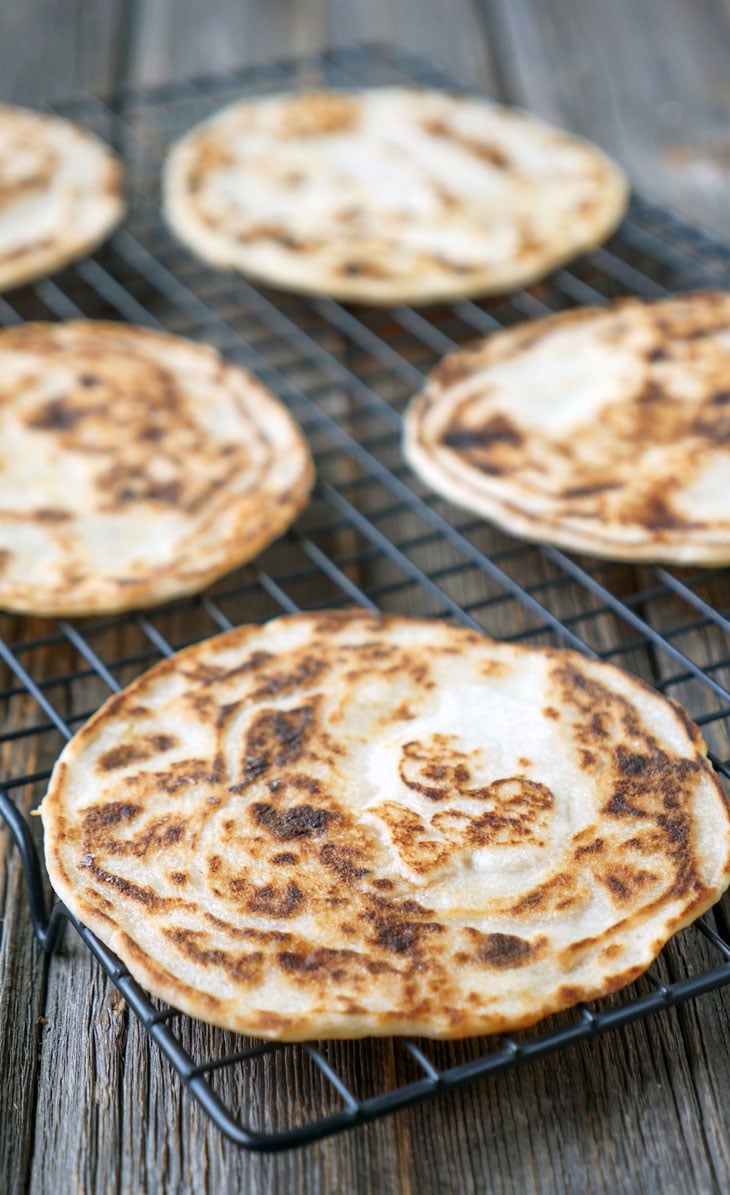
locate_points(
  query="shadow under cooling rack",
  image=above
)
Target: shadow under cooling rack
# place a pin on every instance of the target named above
(373, 536)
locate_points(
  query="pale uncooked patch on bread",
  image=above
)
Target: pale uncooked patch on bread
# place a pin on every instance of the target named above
(134, 467)
(343, 824)
(388, 195)
(602, 430)
(60, 193)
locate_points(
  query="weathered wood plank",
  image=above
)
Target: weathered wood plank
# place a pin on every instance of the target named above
(78, 1135)
(21, 1004)
(190, 38)
(22, 965)
(646, 81)
(55, 48)
(451, 32)
(705, 1032)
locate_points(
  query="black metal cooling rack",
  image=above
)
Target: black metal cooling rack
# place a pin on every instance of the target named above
(372, 536)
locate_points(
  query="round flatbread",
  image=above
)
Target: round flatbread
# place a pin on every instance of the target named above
(134, 467)
(343, 824)
(388, 195)
(60, 194)
(602, 430)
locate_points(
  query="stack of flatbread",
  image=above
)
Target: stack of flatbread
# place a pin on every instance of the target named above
(60, 193)
(342, 824)
(604, 430)
(134, 467)
(387, 195)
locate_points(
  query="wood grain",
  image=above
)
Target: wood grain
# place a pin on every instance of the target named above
(648, 82)
(56, 48)
(87, 1104)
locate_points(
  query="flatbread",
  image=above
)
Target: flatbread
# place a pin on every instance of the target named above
(602, 430)
(60, 193)
(134, 467)
(343, 824)
(388, 195)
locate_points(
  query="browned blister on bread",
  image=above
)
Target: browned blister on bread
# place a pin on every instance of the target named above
(604, 430)
(343, 824)
(134, 467)
(388, 195)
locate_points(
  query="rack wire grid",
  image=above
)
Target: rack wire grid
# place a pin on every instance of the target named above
(372, 536)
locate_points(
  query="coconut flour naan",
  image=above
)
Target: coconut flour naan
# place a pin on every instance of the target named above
(134, 467)
(342, 824)
(60, 193)
(604, 430)
(387, 195)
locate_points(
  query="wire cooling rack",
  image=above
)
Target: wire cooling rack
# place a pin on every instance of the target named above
(373, 536)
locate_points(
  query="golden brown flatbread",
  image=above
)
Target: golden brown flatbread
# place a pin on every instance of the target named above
(134, 467)
(60, 193)
(388, 195)
(604, 430)
(343, 824)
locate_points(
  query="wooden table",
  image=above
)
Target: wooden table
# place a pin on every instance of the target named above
(86, 1104)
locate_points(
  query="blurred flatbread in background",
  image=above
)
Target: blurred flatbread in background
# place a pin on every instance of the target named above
(602, 430)
(388, 195)
(60, 193)
(134, 467)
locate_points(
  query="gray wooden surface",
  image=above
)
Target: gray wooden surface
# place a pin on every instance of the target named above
(86, 1105)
